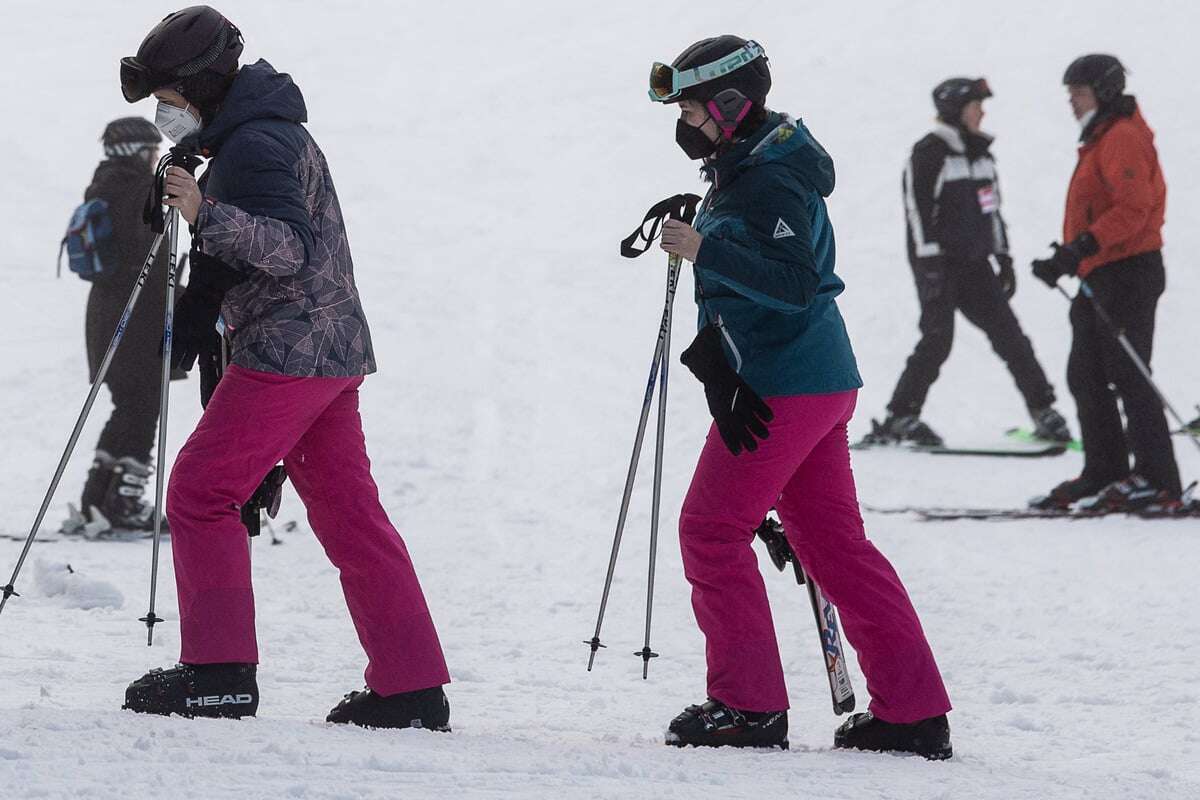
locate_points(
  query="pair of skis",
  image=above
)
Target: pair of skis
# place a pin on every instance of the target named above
(1188, 508)
(780, 552)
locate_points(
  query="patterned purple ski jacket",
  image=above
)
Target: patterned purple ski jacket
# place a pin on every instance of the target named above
(271, 212)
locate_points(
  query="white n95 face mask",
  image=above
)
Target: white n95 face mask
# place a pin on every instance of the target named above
(175, 122)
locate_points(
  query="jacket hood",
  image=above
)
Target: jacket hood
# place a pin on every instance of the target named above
(258, 92)
(781, 140)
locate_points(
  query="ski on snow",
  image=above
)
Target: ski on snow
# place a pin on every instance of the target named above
(1038, 449)
(1190, 509)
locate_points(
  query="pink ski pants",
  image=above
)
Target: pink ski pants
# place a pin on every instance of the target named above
(254, 420)
(803, 470)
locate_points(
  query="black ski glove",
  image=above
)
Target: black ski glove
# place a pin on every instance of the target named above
(197, 309)
(740, 414)
(1008, 278)
(1065, 259)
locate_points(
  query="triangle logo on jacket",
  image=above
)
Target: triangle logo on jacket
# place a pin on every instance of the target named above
(782, 230)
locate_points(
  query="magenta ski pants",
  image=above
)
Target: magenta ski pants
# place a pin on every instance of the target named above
(803, 470)
(253, 421)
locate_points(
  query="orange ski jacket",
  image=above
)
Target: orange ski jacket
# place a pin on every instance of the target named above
(1117, 192)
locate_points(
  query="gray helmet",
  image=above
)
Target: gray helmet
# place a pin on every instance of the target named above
(128, 136)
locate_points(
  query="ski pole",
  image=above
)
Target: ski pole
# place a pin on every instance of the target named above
(163, 397)
(673, 264)
(630, 475)
(1128, 347)
(683, 207)
(8, 590)
(175, 157)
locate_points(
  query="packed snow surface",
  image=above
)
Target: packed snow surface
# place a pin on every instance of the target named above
(489, 157)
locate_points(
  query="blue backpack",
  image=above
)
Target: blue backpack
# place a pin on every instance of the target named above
(87, 242)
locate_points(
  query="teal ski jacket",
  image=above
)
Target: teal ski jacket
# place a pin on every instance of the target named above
(764, 272)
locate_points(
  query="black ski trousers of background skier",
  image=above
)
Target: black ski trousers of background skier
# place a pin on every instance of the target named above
(969, 286)
(1099, 371)
(135, 376)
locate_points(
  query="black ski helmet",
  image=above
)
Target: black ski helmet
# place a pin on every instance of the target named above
(952, 95)
(752, 80)
(736, 98)
(1103, 73)
(128, 136)
(194, 51)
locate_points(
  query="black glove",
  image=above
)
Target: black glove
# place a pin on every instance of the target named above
(1008, 278)
(740, 414)
(1065, 259)
(197, 309)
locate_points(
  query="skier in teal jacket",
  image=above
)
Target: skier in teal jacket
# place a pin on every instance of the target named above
(781, 382)
(766, 263)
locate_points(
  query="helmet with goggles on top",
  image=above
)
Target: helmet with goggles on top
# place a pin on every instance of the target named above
(729, 75)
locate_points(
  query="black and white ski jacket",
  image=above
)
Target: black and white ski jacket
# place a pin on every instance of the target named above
(952, 198)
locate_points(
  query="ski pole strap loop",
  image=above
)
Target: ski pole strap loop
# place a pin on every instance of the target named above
(680, 206)
(178, 156)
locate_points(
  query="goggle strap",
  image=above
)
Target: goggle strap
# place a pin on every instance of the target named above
(685, 79)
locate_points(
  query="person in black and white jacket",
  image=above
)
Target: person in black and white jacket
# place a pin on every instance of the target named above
(952, 206)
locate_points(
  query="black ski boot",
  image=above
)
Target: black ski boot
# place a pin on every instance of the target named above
(124, 505)
(112, 505)
(98, 480)
(196, 690)
(908, 429)
(929, 738)
(1066, 494)
(1049, 425)
(1131, 495)
(715, 724)
(424, 708)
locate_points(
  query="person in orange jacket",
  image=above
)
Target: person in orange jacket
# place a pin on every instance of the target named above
(1113, 228)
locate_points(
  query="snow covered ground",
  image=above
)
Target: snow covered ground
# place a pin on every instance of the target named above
(488, 160)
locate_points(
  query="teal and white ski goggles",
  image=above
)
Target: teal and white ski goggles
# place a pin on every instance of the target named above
(667, 83)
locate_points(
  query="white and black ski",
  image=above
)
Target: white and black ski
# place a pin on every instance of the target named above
(781, 554)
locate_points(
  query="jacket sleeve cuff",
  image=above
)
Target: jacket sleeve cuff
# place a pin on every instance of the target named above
(206, 204)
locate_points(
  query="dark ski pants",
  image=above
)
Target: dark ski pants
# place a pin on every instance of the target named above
(135, 396)
(1099, 371)
(253, 420)
(133, 377)
(972, 288)
(803, 470)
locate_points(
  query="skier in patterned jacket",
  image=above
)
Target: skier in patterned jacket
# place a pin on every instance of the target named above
(271, 259)
(781, 382)
(952, 207)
